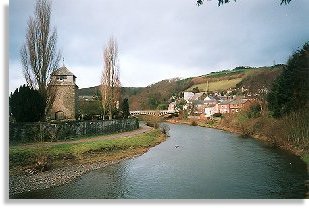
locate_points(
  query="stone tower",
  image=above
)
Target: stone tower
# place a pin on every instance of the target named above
(64, 91)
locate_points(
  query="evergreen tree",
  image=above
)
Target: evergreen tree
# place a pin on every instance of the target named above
(195, 90)
(27, 104)
(125, 108)
(290, 90)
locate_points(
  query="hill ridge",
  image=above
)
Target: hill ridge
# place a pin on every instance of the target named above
(158, 95)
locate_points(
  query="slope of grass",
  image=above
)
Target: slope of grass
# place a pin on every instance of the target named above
(28, 155)
(217, 85)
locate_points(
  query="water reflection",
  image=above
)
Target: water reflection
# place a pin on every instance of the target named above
(206, 164)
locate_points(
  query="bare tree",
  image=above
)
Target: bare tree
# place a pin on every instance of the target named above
(39, 55)
(110, 82)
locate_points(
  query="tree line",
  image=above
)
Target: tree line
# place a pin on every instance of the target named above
(290, 91)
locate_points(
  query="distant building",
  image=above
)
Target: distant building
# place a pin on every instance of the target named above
(224, 107)
(88, 97)
(190, 96)
(172, 106)
(233, 106)
(210, 110)
(198, 107)
(210, 101)
(64, 91)
(238, 104)
(187, 96)
(197, 96)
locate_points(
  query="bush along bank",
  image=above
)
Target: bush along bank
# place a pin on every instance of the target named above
(290, 132)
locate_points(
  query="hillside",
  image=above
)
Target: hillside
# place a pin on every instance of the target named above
(247, 77)
(220, 85)
(126, 92)
(261, 78)
(157, 95)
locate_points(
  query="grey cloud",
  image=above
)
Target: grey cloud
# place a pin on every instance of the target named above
(173, 33)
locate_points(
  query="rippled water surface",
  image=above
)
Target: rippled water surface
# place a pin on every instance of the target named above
(207, 164)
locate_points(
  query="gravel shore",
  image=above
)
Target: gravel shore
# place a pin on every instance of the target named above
(56, 177)
(43, 180)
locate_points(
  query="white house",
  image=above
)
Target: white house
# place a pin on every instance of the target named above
(187, 96)
(210, 101)
(210, 110)
(172, 106)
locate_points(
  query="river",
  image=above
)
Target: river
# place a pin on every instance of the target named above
(193, 163)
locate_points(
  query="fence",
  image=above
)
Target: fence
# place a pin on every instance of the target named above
(48, 132)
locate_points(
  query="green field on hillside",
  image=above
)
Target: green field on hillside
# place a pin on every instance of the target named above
(217, 85)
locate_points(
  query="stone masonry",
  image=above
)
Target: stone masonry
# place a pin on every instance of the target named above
(65, 95)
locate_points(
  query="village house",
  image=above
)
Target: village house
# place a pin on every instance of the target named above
(88, 97)
(187, 96)
(192, 99)
(198, 107)
(238, 104)
(210, 110)
(64, 94)
(172, 106)
(210, 101)
(207, 107)
(190, 96)
(224, 107)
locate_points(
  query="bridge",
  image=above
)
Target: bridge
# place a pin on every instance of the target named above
(152, 112)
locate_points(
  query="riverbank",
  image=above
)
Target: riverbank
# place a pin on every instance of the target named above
(41, 166)
(217, 124)
(242, 131)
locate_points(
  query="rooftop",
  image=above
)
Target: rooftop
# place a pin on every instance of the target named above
(62, 71)
(238, 101)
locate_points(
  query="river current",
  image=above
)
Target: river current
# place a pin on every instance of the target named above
(193, 163)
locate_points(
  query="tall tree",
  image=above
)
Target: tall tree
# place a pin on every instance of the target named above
(290, 91)
(39, 55)
(110, 82)
(125, 108)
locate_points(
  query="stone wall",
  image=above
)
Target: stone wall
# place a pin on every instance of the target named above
(49, 132)
(65, 101)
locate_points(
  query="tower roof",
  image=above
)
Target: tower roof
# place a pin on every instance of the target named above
(62, 71)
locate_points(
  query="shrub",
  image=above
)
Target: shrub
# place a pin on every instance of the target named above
(193, 123)
(217, 115)
(42, 163)
(254, 110)
(152, 121)
(125, 108)
(296, 126)
(27, 104)
(164, 128)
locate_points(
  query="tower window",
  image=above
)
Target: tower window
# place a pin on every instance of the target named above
(62, 77)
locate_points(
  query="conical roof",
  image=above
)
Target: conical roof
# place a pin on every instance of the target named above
(62, 71)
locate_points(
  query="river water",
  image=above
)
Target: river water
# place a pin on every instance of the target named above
(193, 163)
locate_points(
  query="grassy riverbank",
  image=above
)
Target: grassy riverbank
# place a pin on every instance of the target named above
(47, 156)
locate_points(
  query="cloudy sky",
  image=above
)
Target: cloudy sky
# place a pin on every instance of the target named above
(160, 39)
